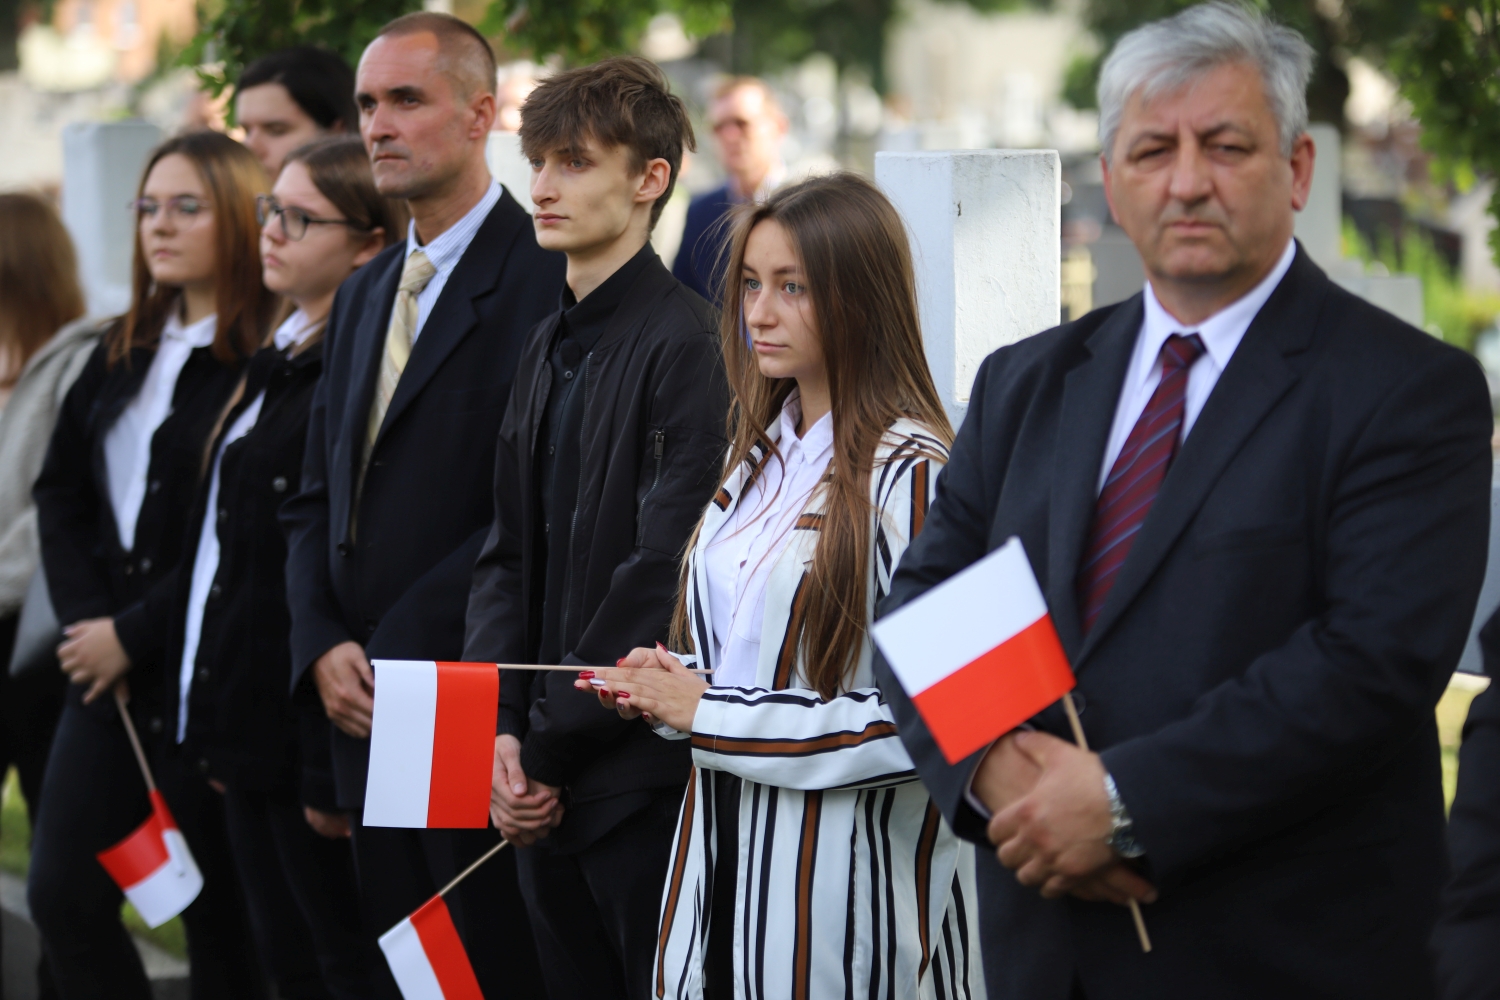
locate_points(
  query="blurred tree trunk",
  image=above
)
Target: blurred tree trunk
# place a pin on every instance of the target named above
(10, 30)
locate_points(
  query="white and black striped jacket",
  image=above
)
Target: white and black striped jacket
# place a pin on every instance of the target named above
(850, 882)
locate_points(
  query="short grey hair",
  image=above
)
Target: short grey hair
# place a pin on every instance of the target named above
(1163, 56)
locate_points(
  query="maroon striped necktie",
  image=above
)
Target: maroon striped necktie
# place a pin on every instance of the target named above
(1136, 477)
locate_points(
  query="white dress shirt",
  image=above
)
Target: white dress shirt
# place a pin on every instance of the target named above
(127, 446)
(1221, 334)
(743, 552)
(446, 251)
(295, 330)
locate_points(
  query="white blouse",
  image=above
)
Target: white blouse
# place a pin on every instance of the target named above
(127, 446)
(295, 330)
(744, 550)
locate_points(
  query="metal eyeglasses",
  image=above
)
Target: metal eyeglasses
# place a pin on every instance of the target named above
(294, 221)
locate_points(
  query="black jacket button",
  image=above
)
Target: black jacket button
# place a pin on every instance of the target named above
(154, 725)
(203, 674)
(202, 765)
(343, 548)
(129, 569)
(279, 484)
(146, 564)
(154, 486)
(215, 592)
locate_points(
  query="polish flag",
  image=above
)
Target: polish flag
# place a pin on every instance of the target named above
(154, 867)
(977, 654)
(432, 744)
(427, 958)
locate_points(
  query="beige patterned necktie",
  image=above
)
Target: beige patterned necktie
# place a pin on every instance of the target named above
(415, 275)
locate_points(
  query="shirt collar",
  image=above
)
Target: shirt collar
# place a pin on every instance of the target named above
(597, 306)
(1221, 332)
(295, 330)
(819, 437)
(199, 334)
(444, 251)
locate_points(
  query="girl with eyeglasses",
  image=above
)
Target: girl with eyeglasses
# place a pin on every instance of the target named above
(229, 646)
(809, 860)
(115, 489)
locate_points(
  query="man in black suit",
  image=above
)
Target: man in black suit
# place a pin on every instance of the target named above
(611, 447)
(422, 346)
(1257, 507)
(1468, 931)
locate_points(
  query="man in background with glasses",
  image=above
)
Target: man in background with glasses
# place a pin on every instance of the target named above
(749, 128)
(422, 344)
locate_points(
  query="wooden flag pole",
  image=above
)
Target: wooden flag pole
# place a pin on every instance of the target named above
(470, 870)
(1083, 743)
(135, 741)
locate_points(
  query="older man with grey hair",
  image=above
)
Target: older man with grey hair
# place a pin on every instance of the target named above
(1258, 507)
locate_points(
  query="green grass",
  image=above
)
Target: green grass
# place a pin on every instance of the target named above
(15, 857)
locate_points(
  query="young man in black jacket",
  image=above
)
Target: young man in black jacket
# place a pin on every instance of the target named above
(610, 447)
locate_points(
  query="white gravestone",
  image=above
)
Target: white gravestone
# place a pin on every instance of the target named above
(986, 236)
(102, 164)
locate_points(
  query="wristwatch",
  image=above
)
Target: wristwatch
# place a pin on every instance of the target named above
(1121, 826)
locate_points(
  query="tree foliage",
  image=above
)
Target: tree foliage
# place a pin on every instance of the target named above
(239, 31)
(1336, 30)
(582, 31)
(1449, 68)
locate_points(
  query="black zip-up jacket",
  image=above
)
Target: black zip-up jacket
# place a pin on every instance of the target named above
(243, 728)
(88, 574)
(655, 399)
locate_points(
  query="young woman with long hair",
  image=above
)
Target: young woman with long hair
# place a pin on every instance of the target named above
(229, 654)
(119, 478)
(809, 861)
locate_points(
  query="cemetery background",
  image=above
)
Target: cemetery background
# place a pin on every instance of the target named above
(95, 83)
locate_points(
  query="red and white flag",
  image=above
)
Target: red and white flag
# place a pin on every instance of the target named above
(432, 744)
(427, 958)
(977, 654)
(154, 867)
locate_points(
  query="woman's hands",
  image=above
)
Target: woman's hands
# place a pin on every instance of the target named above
(651, 683)
(91, 654)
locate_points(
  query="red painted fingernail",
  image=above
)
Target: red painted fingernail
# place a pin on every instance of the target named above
(585, 675)
(661, 647)
(620, 661)
(622, 694)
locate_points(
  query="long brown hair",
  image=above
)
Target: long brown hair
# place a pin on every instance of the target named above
(233, 177)
(854, 254)
(39, 290)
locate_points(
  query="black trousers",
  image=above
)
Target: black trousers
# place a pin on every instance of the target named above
(302, 898)
(399, 870)
(29, 709)
(596, 912)
(93, 795)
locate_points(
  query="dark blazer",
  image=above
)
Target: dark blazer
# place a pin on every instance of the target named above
(400, 584)
(88, 574)
(698, 264)
(1467, 939)
(1262, 678)
(653, 453)
(242, 726)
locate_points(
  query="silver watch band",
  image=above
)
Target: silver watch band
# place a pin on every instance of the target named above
(1121, 826)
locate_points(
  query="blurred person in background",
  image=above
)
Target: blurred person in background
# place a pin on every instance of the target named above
(749, 128)
(115, 489)
(229, 650)
(44, 342)
(289, 98)
(516, 82)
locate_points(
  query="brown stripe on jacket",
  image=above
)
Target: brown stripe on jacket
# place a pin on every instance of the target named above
(918, 499)
(807, 856)
(679, 865)
(809, 522)
(786, 661)
(925, 844)
(789, 747)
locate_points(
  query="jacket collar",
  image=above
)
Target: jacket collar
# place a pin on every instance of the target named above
(1257, 377)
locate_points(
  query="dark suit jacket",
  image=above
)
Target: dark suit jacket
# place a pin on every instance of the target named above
(399, 585)
(698, 264)
(1468, 934)
(1262, 678)
(88, 574)
(652, 454)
